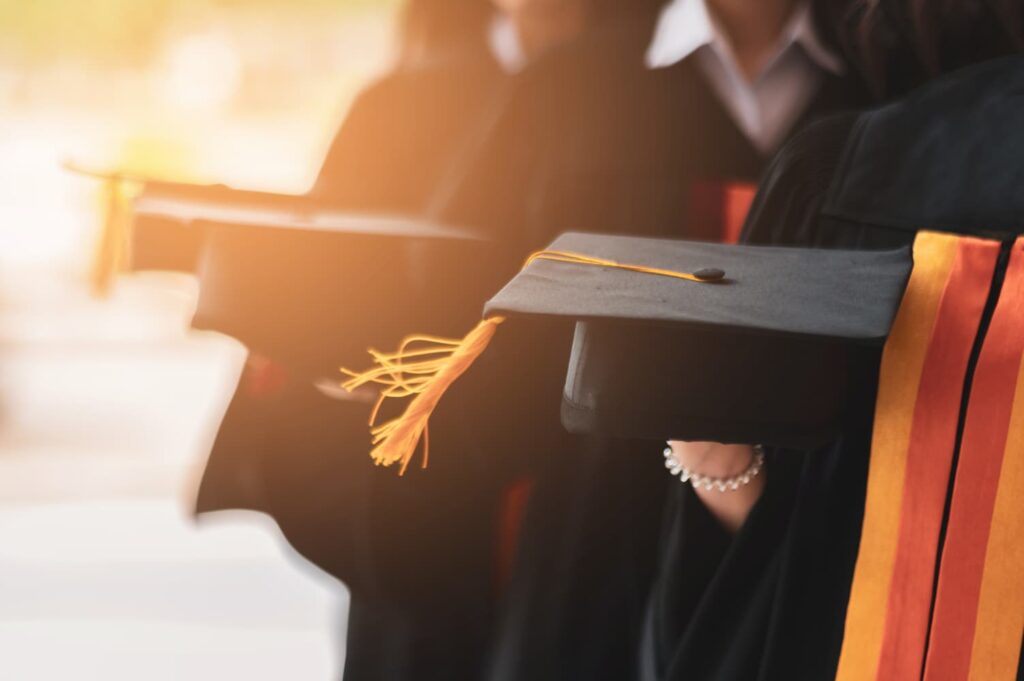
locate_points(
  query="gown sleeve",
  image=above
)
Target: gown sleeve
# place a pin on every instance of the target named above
(786, 209)
(301, 457)
(768, 602)
(347, 171)
(406, 134)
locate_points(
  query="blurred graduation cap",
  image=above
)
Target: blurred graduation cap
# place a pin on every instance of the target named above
(135, 237)
(311, 286)
(676, 339)
(189, 205)
(169, 219)
(296, 277)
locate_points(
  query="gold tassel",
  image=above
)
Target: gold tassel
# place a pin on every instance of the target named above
(423, 367)
(581, 259)
(111, 256)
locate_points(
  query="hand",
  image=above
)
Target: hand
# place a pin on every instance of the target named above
(719, 460)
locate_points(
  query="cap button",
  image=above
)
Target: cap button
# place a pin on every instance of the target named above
(709, 274)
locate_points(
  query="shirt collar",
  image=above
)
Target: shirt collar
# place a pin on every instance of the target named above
(684, 26)
(504, 43)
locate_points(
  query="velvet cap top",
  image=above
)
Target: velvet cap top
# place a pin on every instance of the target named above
(757, 353)
(845, 295)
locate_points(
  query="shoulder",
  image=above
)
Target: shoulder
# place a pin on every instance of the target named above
(794, 186)
(946, 156)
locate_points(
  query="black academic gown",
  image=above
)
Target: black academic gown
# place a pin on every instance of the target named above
(613, 147)
(296, 296)
(286, 449)
(590, 139)
(770, 602)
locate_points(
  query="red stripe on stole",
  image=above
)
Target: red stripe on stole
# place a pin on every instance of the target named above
(977, 480)
(929, 458)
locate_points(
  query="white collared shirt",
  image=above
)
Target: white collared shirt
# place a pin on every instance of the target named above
(505, 45)
(766, 107)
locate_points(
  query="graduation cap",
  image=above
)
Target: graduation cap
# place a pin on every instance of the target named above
(169, 218)
(674, 339)
(150, 223)
(311, 283)
(300, 278)
(317, 292)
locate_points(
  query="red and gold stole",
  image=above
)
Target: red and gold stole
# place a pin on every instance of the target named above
(975, 630)
(979, 603)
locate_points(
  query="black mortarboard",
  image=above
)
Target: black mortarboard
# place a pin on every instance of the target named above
(302, 278)
(685, 340)
(164, 235)
(758, 356)
(311, 283)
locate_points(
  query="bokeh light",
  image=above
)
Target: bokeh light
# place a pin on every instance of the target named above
(200, 74)
(108, 405)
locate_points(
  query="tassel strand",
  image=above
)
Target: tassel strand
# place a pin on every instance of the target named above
(425, 378)
(424, 367)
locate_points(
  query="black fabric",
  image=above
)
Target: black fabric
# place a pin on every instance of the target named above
(297, 295)
(419, 568)
(386, 643)
(938, 178)
(656, 357)
(658, 383)
(614, 152)
(407, 132)
(233, 478)
(316, 300)
(575, 605)
(166, 239)
(844, 295)
(594, 141)
(416, 553)
(589, 139)
(309, 472)
(614, 148)
(785, 619)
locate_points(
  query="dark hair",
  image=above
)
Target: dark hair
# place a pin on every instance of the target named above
(899, 44)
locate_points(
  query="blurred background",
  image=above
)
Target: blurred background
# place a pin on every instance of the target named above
(108, 406)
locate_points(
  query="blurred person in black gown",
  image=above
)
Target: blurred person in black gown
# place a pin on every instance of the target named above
(294, 450)
(756, 585)
(594, 139)
(400, 135)
(666, 138)
(618, 131)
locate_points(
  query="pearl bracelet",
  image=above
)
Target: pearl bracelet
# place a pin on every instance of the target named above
(707, 482)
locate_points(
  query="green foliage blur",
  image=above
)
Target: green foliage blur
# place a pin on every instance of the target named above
(128, 32)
